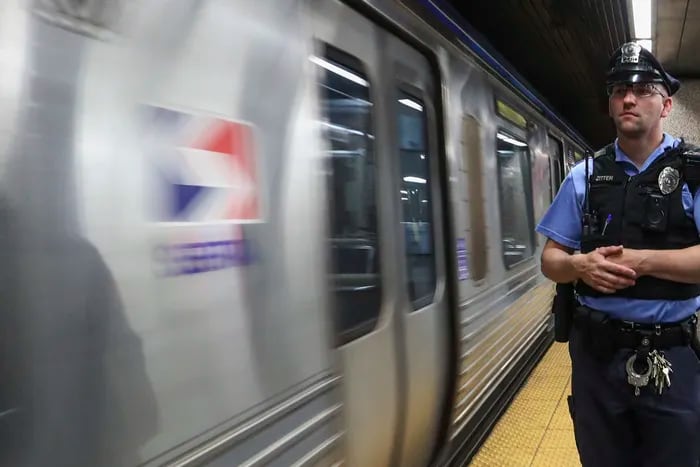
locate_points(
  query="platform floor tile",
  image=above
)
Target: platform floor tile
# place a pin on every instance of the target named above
(536, 430)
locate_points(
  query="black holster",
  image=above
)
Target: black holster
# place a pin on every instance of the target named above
(563, 308)
(596, 332)
(692, 335)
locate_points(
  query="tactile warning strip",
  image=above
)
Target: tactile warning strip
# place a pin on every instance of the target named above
(536, 430)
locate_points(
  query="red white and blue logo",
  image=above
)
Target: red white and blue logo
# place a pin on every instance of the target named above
(209, 167)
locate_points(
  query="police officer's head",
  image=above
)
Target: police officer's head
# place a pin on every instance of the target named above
(631, 63)
(639, 90)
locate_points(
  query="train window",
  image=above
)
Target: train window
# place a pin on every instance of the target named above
(416, 202)
(353, 234)
(556, 167)
(472, 156)
(515, 189)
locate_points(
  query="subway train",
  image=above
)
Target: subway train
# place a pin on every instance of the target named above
(280, 232)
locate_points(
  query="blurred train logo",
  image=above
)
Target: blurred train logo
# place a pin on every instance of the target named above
(209, 167)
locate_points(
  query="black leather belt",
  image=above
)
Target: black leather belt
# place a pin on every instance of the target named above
(629, 335)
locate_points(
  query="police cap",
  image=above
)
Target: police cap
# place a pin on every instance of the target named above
(631, 63)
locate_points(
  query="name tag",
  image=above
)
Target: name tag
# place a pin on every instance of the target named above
(606, 180)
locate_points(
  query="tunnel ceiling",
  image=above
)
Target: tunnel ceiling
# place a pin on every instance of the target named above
(677, 36)
(561, 47)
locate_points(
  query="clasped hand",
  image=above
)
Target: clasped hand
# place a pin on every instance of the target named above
(608, 269)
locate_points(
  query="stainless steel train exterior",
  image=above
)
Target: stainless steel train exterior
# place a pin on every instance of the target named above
(264, 232)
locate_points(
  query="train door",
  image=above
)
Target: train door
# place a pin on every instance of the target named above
(362, 256)
(388, 276)
(422, 295)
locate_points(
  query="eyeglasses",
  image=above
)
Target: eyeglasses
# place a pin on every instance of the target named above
(638, 89)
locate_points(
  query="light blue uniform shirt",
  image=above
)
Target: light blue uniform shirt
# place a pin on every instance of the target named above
(562, 223)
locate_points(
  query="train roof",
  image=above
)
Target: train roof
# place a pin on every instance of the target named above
(451, 24)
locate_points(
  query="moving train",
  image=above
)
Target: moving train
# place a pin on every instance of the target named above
(280, 232)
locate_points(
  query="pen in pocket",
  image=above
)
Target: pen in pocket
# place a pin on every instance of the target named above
(607, 221)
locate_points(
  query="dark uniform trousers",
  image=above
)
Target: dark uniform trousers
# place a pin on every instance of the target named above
(615, 428)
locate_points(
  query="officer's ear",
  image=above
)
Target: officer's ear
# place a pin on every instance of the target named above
(668, 105)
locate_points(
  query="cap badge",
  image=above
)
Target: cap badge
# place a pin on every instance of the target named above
(630, 53)
(668, 180)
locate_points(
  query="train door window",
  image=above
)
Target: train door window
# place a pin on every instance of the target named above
(351, 167)
(556, 158)
(472, 156)
(515, 191)
(416, 200)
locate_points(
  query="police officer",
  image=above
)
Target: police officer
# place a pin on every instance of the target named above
(635, 376)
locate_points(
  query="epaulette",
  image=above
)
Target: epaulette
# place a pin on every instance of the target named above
(691, 165)
(691, 152)
(608, 150)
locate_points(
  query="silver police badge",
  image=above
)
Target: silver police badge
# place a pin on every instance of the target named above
(668, 180)
(630, 53)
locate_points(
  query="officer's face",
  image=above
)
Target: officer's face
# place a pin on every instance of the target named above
(638, 113)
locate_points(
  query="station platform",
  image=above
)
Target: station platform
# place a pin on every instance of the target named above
(536, 429)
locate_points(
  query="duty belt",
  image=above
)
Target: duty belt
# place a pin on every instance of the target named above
(616, 334)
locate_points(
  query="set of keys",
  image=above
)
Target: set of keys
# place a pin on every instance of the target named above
(658, 370)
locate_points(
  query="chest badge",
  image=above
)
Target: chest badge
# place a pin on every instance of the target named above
(668, 180)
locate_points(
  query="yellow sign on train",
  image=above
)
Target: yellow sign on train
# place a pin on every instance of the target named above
(510, 114)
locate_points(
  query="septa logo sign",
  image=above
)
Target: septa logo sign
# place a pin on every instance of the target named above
(208, 165)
